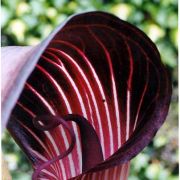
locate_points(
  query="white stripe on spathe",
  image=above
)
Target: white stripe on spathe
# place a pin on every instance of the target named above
(128, 106)
(114, 93)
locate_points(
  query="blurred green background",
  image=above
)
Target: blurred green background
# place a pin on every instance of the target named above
(27, 22)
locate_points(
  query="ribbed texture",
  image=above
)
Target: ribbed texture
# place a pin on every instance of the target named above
(107, 71)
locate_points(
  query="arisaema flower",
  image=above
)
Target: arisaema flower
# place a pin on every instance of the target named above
(86, 100)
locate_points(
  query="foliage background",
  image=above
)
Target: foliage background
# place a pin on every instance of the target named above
(27, 22)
